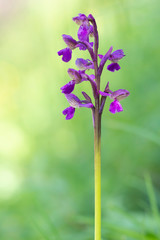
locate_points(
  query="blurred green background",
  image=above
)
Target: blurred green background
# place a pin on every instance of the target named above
(46, 163)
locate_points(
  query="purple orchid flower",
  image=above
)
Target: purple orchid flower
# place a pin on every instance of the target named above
(118, 95)
(114, 58)
(67, 52)
(78, 77)
(74, 102)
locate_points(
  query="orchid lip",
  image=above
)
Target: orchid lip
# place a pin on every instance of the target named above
(66, 54)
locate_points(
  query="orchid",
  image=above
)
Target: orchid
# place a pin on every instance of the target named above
(74, 102)
(88, 29)
(114, 58)
(120, 94)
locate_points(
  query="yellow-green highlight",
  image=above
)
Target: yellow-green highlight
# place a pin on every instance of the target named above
(97, 172)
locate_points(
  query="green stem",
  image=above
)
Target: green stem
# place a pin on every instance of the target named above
(97, 139)
(97, 160)
(97, 174)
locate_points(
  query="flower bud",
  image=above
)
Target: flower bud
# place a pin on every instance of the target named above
(81, 19)
(84, 32)
(87, 97)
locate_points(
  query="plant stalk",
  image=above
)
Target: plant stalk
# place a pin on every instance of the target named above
(97, 140)
(97, 161)
(97, 174)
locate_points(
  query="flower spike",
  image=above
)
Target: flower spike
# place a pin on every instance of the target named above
(87, 29)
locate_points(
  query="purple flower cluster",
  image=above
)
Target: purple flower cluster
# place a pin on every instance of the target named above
(88, 29)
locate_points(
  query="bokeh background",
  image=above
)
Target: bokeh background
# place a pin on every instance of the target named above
(46, 163)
